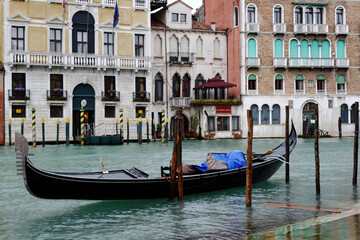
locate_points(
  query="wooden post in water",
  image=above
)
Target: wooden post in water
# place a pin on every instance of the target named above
(316, 146)
(57, 131)
(140, 130)
(287, 146)
(147, 130)
(67, 130)
(339, 126)
(127, 131)
(153, 130)
(356, 145)
(22, 126)
(249, 159)
(43, 131)
(9, 131)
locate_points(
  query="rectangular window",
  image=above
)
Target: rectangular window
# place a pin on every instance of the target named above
(139, 45)
(140, 84)
(17, 38)
(18, 86)
(278, 84)
(299, 85)
(321, 85)
(56, 111)
(18, 111)
(235, 123)
(211, 124)
(252, 84)
(319, 16)
(298, 15)
(82, 42)
(108, 43)
(55, 40)
(223, 124)
(182, 17)
(140, 112)
(56, 85)
(175, 17)
(109, 111)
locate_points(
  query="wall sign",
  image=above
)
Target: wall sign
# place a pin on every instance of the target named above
(223, 109)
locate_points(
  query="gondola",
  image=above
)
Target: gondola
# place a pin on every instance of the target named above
(135, 184)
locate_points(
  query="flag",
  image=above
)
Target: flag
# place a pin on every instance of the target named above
(116, 15)
(64, 9)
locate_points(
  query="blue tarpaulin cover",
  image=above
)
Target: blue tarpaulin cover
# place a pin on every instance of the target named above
(233, 160)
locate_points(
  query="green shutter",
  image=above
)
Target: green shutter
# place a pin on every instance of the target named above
(252, 77)
(299, 77)
(325, 49)
(279, 48)
(304, 49)
(341, 79)
(340, 49)
(320, 77)
(294, 49)
(315, 49)
(251, 48)
(278, 77)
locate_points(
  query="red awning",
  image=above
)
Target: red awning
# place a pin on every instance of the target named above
(215, 83)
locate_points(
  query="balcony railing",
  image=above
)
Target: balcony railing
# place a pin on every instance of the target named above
(299, 91)
(140, 3)
(108, 3)
(110, 96)
(252, 62)
(252, 92)
(342, 62)
(78, 60)
(341, 29)
(185, 57)
(279, 27)
(311, 28)
(141, 96)
(279, 92)
(252, 27)
(311, 62)
(56, 94)
(19, 94)
(180, 102)
(280, 62)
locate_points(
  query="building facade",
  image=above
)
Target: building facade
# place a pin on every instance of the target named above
(53, 63)
(297, 54)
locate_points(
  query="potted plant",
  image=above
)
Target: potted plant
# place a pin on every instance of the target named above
(158, 130)
(194, 123)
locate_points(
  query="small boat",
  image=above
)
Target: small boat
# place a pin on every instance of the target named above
(134, 183)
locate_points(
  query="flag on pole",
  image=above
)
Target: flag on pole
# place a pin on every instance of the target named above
(116, 15)
(64, 9)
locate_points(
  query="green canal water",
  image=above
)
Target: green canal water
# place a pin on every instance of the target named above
(215, 215)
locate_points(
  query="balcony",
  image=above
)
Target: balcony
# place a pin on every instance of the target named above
(78, 60)
(280, 62)
(341, 29)
(141, 96)
(180, 102)
(279, 28)
(311, 29)
(19, 94)
(110, 96)
(311, 62)
(56, 94)
(252, 62)
(252, 28)
(342, 62)
(140, 4)
(182, 57)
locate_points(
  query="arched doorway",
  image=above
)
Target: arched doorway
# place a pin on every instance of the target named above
(309, 120)
(172, 126)
(83, 92)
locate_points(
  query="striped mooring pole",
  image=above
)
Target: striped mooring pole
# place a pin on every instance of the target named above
(127, 132)
(67, 131)
(57, 131)
(10, 131)
(33, 127)
(163, 126)
(82, 125)
(122, 125)
(22, 126)
(43, 131)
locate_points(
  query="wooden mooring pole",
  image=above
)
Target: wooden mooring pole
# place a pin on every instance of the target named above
(176, 160)
(339, 126)
(287, 146)
(316, 146)
(356, 145)
(249, 159)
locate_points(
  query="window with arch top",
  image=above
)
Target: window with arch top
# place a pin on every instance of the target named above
(236, 16)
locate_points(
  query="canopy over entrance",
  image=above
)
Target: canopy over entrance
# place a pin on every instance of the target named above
(215, 83)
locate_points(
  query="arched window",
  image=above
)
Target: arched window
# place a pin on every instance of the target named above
(319, 15)
(159, 85)
(275, 114)
(277, 14)
(340, 49)
(252, 48)
(265, 114)
(251, 18)
(294, 52)
(340, 82)
(315, 48)
(279, 53)
(298, 15)
(236, 16)
(176, 85)
(255, 113)
(344, 114)
(252, 82)
(352, 113)
(304, 49)
(199, 48)
(186, 86)
(309, 15)
(184, 49)
(157, 46)
(299, 83)
(339, 16)
(325, 49)
(320, 83)
(83, 32)
(199, 93)
(174, 48)
(217, 48)
(279, 83)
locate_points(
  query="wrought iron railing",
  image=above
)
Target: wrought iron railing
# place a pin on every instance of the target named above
(141, 96)
(181, 57)
(56, 94)
(110, 96)
(19, 94)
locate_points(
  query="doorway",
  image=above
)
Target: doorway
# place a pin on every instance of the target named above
(309, 120)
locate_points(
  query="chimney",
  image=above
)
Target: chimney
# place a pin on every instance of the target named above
(213, 26)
